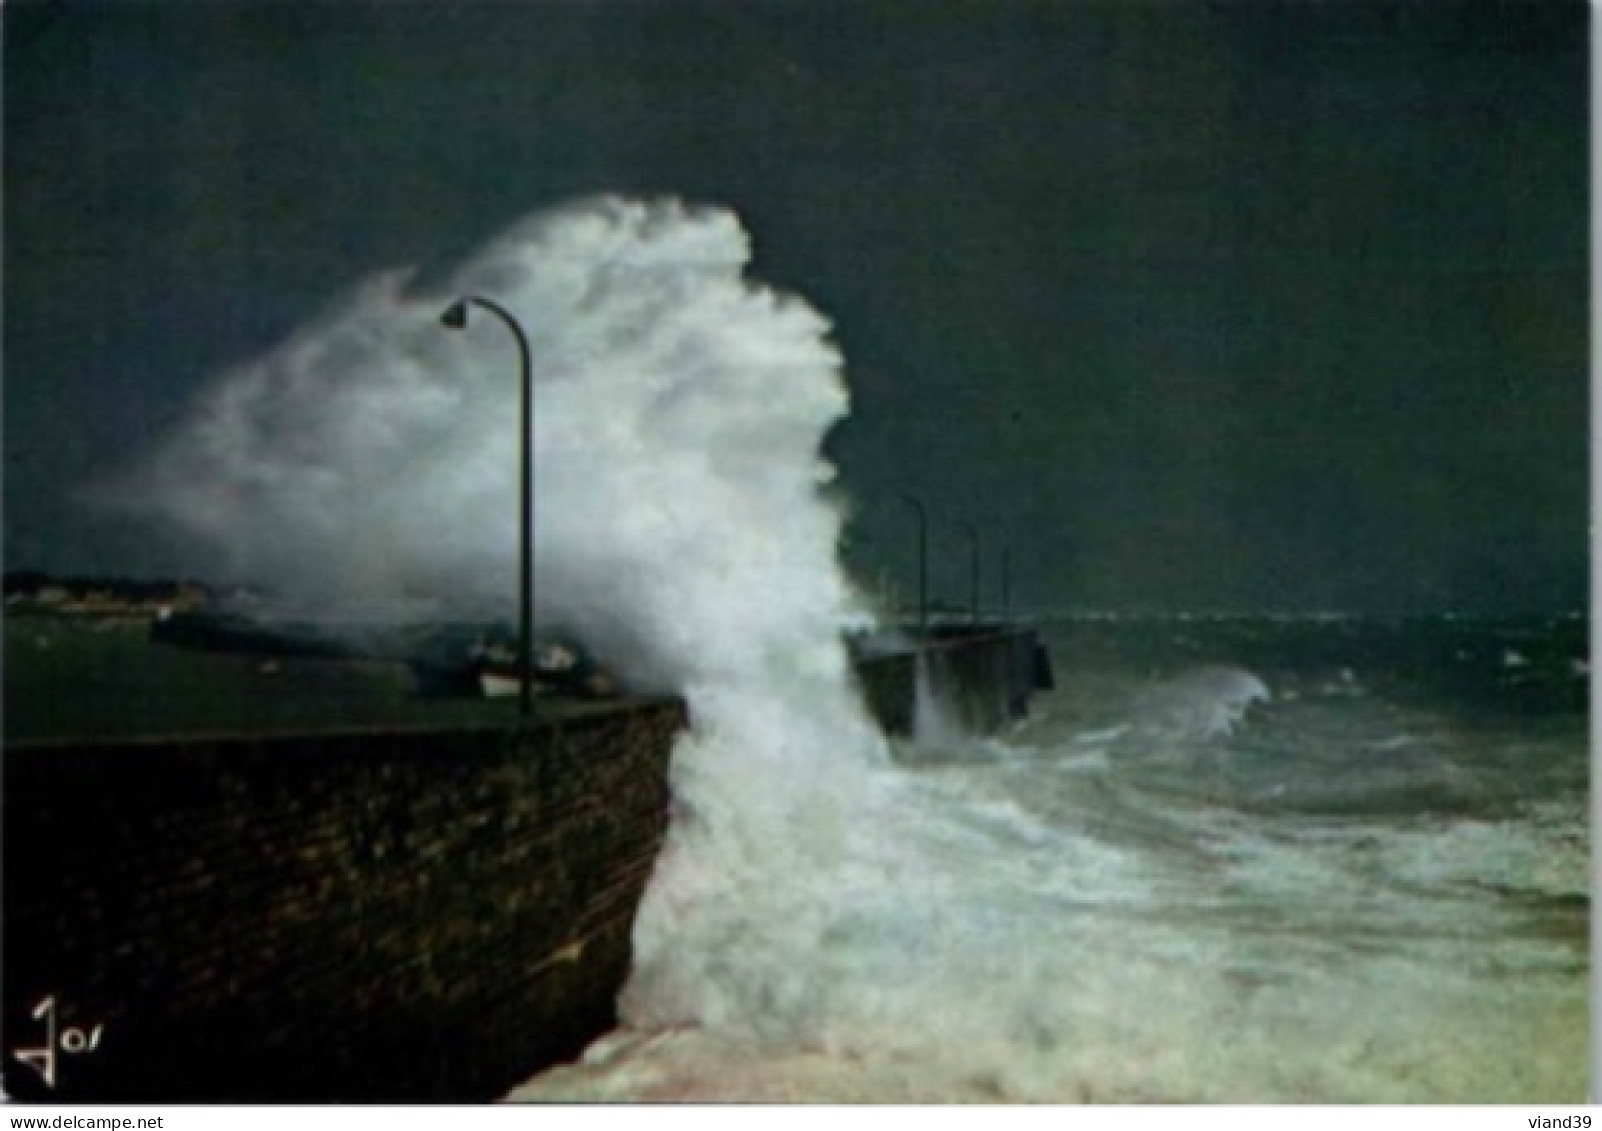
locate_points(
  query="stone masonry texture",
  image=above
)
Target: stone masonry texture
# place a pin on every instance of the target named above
(359, 916)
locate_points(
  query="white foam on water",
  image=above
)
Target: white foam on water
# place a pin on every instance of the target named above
(1543, 853)
(1097, 737)
(1203, 702)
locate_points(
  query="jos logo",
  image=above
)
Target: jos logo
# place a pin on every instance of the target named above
(72, 1041)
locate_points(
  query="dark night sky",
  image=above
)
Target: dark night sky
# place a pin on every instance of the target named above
(1207, 306)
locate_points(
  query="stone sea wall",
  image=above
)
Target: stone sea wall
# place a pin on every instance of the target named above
(355, 916)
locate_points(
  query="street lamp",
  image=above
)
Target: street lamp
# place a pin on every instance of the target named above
(455, 318)
(923, 562)
(973, 570)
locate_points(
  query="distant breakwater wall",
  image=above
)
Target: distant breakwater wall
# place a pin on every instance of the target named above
(980, 676)
(409, 915)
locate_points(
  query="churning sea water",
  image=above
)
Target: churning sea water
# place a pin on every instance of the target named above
(1240, 860)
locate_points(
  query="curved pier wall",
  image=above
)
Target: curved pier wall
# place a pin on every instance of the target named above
(406, 915)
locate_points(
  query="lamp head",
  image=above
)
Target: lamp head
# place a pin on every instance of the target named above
(455, 316)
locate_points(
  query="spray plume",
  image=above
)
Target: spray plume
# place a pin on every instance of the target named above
(368, 465)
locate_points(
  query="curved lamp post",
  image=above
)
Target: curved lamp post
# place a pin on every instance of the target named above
(923, 562)
(455, 318)
(973, 571)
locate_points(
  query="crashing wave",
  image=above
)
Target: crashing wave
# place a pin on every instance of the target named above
(1201, 703)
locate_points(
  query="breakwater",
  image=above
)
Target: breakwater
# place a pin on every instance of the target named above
(390, 914)
(980, 677)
